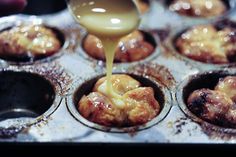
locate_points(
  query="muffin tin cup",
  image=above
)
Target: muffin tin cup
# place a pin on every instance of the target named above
(207, 79)
(188, 20)
(9, 22)
(27, 98)
(151, 36)
(81, 88)
(44, 7)
(170, 44)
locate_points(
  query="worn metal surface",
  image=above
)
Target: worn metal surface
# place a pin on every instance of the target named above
(68, 70)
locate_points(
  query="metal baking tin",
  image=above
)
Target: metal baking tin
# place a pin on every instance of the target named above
(69, 70)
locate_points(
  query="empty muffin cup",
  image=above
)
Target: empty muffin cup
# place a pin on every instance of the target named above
(200, 100)
(26, 95)
(161, 94)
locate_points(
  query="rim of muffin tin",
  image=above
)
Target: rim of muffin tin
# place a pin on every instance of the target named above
(165, 107)
(14, 20)
(184, 108)
(231, 4)
(29, 121)
(170, 43)
(157, 51)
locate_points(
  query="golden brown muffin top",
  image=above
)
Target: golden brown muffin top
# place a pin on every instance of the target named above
(207, 44)
(29, 39)
(132, 47)
(199, 8)
(131, 105)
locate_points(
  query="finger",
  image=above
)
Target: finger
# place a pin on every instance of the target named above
(8, 7)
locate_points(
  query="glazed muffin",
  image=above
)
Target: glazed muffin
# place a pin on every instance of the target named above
(28, 41)
(143, 5)
(206, 43)
(129, 104)
(227, 85)
(132, 47)
(217, 106)
(199, 8)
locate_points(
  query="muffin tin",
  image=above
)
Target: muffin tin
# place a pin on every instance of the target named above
(55, 84)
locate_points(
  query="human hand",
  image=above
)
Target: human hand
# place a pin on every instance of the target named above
(8, 7)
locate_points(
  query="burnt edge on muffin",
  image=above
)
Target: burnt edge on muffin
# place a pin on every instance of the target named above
(203, 81)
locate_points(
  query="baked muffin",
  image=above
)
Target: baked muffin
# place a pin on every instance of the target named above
(217, 106)
(143, 5)
(209, 104)
(206, 43)
(28, 41)
(128, 105)
(199, 8)
(132, 47)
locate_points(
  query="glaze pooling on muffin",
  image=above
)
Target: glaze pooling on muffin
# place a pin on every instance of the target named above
(132, 105)
(133, 47)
